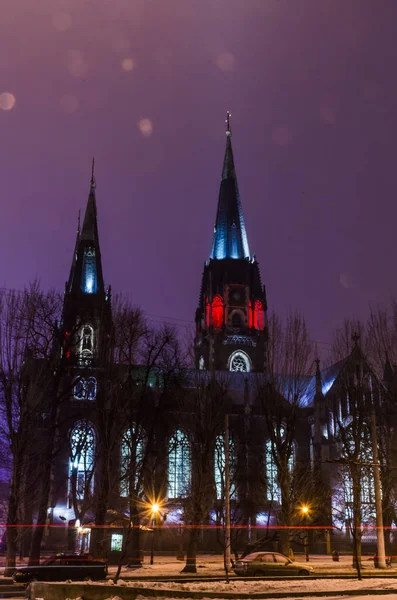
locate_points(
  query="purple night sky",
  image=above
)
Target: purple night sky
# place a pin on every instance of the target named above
(144, 85)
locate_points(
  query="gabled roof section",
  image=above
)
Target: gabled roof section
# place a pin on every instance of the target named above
(327, 377)
(230, 237)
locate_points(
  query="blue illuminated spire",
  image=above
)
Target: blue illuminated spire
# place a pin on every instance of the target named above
(230, 237)
(86, 274)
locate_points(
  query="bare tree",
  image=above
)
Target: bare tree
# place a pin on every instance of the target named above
(145, 369)
(28, 330)
(282, 392)
(201, 416)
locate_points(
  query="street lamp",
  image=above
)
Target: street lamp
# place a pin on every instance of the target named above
(155, 509)
(305, 513)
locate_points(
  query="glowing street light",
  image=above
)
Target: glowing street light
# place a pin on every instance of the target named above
(305, 512)
(155, 510)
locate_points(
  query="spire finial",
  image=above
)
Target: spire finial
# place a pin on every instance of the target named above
(318, 377)
(227, 121)
(92, 173)
(355, 339)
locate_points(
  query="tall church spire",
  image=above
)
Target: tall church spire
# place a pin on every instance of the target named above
(86, 273)
(230, 237)
(87, 316)
(231, 326)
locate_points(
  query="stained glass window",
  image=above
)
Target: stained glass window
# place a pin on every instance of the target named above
(178, 465)
(86, 345)
(85, 389)
(132, 454)
(79, 391)
(239, 361)
(273, 492)
(219, 467)
(258, 315)
(82, 446)
(217, 312)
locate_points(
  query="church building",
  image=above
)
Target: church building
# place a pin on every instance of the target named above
(231, 340)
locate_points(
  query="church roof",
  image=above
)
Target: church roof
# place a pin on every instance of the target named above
(230, 237)
(328, 377)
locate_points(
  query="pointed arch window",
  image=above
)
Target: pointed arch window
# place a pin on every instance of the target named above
(82, 457)
(89, 279)
(86, 344)
(201, 363)
(219, 467)
(179, 465)
(367, 480)
(250, 315)
(217, 312)
(273, 492)
(207, 313)
(131, 461)
(85, 389)
(258, 315)
(239, 361)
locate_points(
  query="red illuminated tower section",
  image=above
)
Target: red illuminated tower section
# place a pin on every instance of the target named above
(231, 328)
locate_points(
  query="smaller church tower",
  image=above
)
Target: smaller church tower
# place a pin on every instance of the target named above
(231, 328)
(87, 321)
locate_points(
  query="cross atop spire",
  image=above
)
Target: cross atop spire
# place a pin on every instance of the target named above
(93, 184)
(227, 121)
(355, 339)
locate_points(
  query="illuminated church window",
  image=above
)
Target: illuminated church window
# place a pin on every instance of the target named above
(258, 315)
(367, 479)
(201, 363)
(239, 361)
(250, 315)
(178, 465)
(79, 391)
(131, 461)
(91, 388)
(82, 447)
(86, 345)
(273, 492)
(219, 467)
(217, 312)
(85, 389)
(89, 282)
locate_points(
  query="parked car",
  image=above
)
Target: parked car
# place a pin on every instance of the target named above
(61, 567)
(269, 563)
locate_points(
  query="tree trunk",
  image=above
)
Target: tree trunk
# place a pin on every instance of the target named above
(136, 558)
(284, 513)
(38, 532)
(191, 555)
(100, 535)
(12, 530)
(45, 478)
(356, 477)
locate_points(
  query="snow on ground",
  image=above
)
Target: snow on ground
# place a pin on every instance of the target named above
(258, 586)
